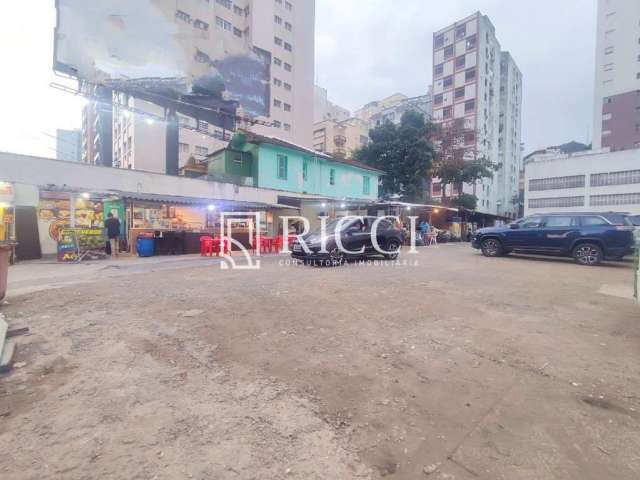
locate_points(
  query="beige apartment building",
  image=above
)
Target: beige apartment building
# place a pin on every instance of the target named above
(340, 138)
(284, 29)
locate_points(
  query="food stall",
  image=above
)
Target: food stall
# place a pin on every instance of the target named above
(7, 212)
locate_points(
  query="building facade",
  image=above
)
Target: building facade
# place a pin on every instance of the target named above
(616, 117)
(467, 75)
(270, 163)
(69, 145)
(583, 182)
(324, 109)
(393, 107)
(340, 138)
(284, 29)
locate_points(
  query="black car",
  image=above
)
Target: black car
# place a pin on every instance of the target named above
(587, 237)
(356, 236)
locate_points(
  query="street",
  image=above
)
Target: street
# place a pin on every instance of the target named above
(448, 366)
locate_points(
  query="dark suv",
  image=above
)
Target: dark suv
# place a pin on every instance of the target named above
(356, 240)
(587, 237)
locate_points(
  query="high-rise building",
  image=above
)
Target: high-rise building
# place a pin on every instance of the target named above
(509, 137)
(616, 122)
(284, 29)
(96, 129)
(466, 87)
(69, 145)
(340, 138)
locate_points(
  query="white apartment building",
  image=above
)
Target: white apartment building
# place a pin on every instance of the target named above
(616, 116)
(283, 28)
(324, 109)
(466, 85)
(587, 181)
(509, 136)
(392, 107)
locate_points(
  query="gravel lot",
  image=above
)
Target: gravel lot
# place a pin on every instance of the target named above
(457, 367)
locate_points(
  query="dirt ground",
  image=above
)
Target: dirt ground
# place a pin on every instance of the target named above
(459, 367)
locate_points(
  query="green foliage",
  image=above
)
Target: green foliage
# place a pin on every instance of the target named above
(465, 200)
(403, 152)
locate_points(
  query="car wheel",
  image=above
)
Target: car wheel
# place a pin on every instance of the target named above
(587, 254)
(336, 256)
(394, 247)
(491, 247)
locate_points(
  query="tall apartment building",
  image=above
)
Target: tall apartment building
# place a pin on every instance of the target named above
(285, 29)
(466, 85)
(97, 118)
(509, 136)
(69, 145)
(616, 119)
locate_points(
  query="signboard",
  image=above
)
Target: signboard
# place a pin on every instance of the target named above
(166, 51)
(75, 243)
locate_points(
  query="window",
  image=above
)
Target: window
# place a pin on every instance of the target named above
(592, 221)
(237, 10)
(183, 147)
(469, 106)
(438, 70)
(288, 6)
(558, 221)
(288, 47)
(287, 127)
(460, 62)
(222, 23)
(459, 93)
(203, 126)
(461, 31)
(277, 82)
(438, 41)
(615, 199)
(606, 133)
(606, 116)
(237, 32)
(247, 10)
(448, 52)
(277, 103)
(305, 170)
(185, 17)
(202, 57)
(200, 25)
(447, 112)
(277, 41)
(625, 177)
(555, 183)
(287, 86)
(469, 137)
(332, 176)
(282, 167)
(447, 82)
(287, 107)
(557, 202)
(609, 50)
(224, 3)
(288, 26)
(277, 19)
(287, 67)
(530, 222)
(471, 42)
(438, 99)
(201, 150)
(470, 75)
(277, 123)
(277, 61)
(436, 189)
(366, 185)
(608, 67)
(237, 159)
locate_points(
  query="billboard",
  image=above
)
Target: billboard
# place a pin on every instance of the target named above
(179, 53)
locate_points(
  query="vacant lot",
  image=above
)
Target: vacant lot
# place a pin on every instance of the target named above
(459, 367)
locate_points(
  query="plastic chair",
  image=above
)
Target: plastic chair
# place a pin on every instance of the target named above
(221, 246)
(432, 239)
(206, 246)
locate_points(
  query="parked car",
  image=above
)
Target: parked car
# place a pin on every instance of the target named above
(587, 237)
(356, 235)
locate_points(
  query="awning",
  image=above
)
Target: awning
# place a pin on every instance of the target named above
(199, 201)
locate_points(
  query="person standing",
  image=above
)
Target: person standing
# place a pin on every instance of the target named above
(425, 229)
(112, 225)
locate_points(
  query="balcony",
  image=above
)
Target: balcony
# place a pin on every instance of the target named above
(340, 140)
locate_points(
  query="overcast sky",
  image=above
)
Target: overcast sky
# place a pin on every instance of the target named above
(365, 50)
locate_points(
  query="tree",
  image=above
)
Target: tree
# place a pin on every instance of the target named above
(465, 200)
(456, 160)
(403, 152)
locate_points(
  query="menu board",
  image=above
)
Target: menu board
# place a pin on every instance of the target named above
(73, 243)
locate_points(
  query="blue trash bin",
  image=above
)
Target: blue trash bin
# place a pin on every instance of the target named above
(145, 246)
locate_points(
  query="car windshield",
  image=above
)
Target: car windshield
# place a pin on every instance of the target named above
(336, 225)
